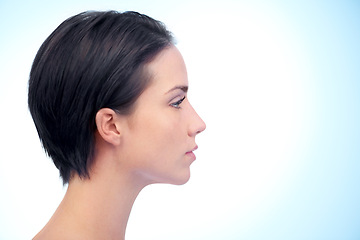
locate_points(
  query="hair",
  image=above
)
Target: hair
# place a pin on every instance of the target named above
(92, 60)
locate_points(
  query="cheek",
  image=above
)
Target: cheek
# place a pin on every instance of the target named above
(159, 145)
(163, 135)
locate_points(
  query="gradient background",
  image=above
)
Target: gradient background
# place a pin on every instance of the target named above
(276, 82)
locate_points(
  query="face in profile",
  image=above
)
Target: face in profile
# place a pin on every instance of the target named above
(111, 109)
(160, 137)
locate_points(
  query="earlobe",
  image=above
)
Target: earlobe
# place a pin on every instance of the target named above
(108, 126)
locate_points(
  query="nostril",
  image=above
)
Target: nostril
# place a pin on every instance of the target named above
(201, 129)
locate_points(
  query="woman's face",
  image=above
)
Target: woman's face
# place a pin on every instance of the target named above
(161, 131)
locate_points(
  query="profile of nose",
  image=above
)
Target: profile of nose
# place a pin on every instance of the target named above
(202, 126)
(197, 125)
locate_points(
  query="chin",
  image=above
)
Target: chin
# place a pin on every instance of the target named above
(179, 177)
(181, 180)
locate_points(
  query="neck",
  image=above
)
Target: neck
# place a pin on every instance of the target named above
(101, 210)
(98, 208)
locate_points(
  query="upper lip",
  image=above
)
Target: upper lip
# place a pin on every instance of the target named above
(196, 147)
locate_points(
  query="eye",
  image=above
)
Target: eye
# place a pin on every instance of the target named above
(177, 103)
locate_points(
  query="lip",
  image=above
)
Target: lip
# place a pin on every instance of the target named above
(190, 154)
(196, 147)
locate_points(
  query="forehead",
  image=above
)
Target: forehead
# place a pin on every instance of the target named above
(167, 70)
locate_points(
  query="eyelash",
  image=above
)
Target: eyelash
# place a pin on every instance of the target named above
(177, 104)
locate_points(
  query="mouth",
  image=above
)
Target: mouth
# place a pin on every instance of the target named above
(196, 147)
(191, 154)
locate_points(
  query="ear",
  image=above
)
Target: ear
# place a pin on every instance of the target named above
(108, 125)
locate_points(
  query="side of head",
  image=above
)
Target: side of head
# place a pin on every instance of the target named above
(93, 60)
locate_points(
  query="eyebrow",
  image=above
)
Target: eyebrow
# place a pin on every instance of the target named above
(183, 88)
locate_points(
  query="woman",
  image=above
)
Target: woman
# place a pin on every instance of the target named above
(108, 95)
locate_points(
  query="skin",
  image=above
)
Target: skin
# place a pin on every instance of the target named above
(153, 144)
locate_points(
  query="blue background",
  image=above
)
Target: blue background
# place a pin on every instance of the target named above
(278, 85)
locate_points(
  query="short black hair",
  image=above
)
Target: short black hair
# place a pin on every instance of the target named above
(92, 60)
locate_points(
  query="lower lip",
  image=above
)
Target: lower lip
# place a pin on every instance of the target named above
(191, 155)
